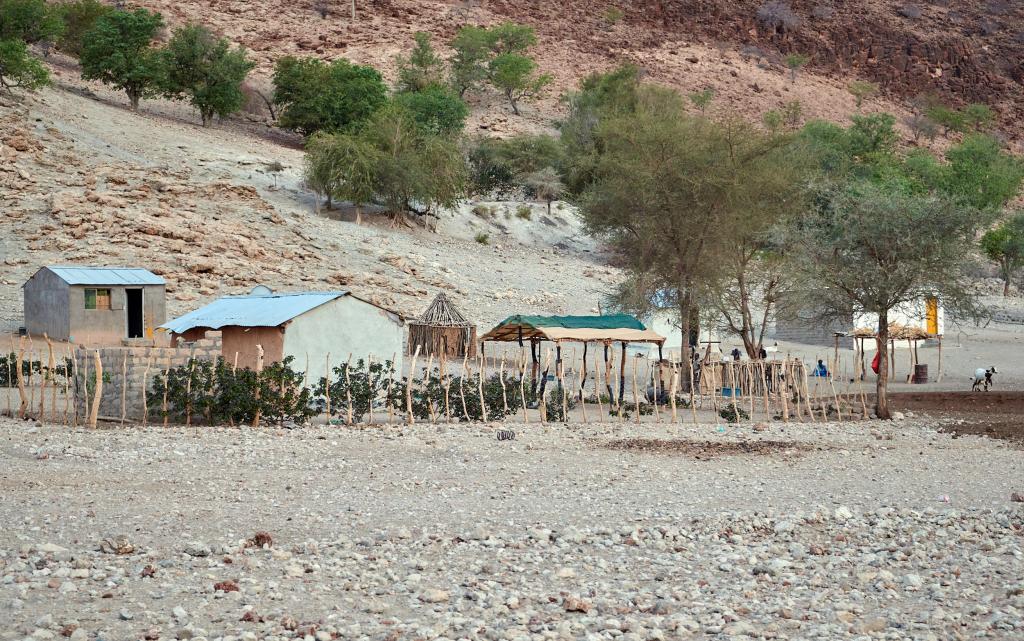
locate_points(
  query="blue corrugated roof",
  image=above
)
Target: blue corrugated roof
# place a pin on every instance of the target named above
(251, 311)
(75, 275)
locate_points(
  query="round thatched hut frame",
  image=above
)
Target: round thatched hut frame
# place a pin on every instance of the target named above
(442, 329)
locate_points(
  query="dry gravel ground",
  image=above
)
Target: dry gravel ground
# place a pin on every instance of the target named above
(867, 530)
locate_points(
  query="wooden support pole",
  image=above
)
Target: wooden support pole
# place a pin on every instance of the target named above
(655, 377)
(23, 407)
(693, 403)
(784, 389)
(522, 386)
(582, 383)
(188, 391)
(391, 383)
(409, 417)
(622, 380)
(163, 408)
(636, 392)
(480, 385)
(597, 391)
(327, 384)
(372, 384)
(608, 377)
(67, 386)
(94, 416)
(426, 389)
(938, 378)
(145, 390)
(501, 379)
(74, 401)
(462, 384)
(259, 373)
(51, 365)
(672, 390)
(349, 415)
(124, 387)
(542, 401)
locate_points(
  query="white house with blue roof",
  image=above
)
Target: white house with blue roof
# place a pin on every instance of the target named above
(309, 326)
(94, 306)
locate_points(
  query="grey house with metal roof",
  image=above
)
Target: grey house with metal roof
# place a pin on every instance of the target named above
(94, 306)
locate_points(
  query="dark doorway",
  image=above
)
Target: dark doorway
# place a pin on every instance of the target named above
(133, 304)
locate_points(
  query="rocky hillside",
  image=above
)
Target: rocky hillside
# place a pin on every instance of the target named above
(962, 50)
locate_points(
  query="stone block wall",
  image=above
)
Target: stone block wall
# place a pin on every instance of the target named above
(124, 368)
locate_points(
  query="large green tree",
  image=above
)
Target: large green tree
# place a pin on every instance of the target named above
(18, 69)
(318, 96)
(119, 51)
(30, 21)
(516, 76)
(1004, 246)
(391, 162)
(667, 190)
(79, 17)
(206, 70)
(870, 248)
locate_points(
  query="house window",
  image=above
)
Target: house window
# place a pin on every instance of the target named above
(97, 299)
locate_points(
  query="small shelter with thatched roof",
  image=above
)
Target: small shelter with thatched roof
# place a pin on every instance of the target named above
(442, 329)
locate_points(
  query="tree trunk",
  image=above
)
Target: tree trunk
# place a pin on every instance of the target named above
(881, 394)
(133, 98)
(207, 117)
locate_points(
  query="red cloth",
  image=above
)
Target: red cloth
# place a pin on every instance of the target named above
(874, 362)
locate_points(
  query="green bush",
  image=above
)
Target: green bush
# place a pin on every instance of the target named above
(502, 167)
(216, 394)
(437, 110)
(733, 414)
(524, 212)
(367, 384)
(483, 238)
(9, 369)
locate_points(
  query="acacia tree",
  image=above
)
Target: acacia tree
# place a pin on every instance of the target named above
(545, 185)
(423, 68)
(870, 248)
(118, 51)
(389, 162)
(207, 70)
(1004, 246)
(515, 75)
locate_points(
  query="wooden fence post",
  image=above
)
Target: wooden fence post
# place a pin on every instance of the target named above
(145, 391)
(124, 387)
(259, 372)
(348, 389)
(410, 418)
(94, 416)
(22, 396)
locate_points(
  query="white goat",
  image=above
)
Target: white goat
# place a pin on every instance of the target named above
(983, 377)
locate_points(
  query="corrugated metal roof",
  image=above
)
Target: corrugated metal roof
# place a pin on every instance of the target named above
(251, 311)
(75, 275)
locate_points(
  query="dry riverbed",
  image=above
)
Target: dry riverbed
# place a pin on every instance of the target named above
(861, 530)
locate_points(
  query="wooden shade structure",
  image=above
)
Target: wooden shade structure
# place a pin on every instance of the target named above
(442, 329)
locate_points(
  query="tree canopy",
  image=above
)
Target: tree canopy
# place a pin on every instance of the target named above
(206, 70)
(18, 69)
(318, 96)
(389, 161)
(118, 51)
(1004, 246)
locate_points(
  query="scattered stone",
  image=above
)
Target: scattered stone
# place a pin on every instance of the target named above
(575, 604)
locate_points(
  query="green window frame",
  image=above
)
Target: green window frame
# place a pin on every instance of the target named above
(97, 298)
